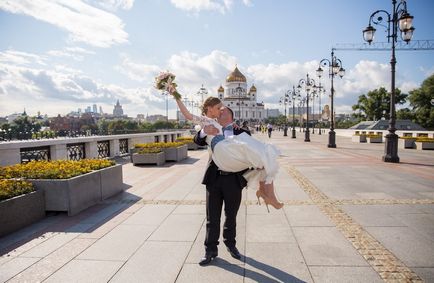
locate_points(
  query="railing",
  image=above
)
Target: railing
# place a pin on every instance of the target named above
(76, 148)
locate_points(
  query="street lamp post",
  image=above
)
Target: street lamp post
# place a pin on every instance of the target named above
(284, 100)
(202, 91)
(294, 94)
(335, 68)
(399, 19)
(313, 95)
(308, 85)
(320, 91)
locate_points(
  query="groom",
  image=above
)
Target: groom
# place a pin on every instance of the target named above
(221, 187)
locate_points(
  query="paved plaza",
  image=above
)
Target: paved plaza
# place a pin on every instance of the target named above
(348, 217)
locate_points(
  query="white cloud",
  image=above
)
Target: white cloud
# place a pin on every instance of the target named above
(83, 22)
(196, 6)
(14, 57)
(76, 53)
(137, 71)
(113, 5)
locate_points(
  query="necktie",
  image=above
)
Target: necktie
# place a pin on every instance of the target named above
(228, 128)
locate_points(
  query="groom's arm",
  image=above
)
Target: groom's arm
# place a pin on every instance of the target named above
(201, 141)
(200, 137)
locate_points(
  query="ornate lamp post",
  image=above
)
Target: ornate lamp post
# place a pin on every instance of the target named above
(309, 84)
(294, 94)
(300, 112)
(284, 100)
(399, 18)
(202, 91)
(320, 90)
(335, 68)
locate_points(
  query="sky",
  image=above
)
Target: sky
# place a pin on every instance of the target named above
(60, 55)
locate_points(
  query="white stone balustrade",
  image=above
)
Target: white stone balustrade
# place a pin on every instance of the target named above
(10, 150)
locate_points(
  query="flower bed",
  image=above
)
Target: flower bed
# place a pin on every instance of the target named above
(149, 156)
(407, 142)
(358, 138)
(371, 138)
(70, 186)
(424, 143)
(189, 142)
(173, 151)
(20, 205)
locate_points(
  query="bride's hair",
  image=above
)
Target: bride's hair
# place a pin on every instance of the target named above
(209, 102)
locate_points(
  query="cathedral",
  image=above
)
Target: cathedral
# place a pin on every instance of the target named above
(242, 101)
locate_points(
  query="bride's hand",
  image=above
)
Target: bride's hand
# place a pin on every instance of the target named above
(210, 130)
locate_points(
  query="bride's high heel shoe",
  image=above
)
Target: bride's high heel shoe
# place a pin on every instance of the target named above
(268, 200)
(259, 195)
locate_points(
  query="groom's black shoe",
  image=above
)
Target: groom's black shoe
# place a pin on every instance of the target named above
(207, 258)
(234, 252)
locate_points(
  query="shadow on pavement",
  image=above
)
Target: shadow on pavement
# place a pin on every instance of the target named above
(274, 274)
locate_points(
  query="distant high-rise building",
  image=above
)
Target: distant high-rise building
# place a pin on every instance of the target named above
(117, 111)
(100, 110)
(94, 109)
(79, 111)
(87, 110)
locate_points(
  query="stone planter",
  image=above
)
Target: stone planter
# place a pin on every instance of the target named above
(111, 181)
(375, 139)
(20, 211)
(149, 158)
(176, 153)
(192, 146)
(424, 145)
(78, 193)
(358, 138)
(407, 143)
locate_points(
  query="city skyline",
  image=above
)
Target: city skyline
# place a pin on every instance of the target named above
(57, 55)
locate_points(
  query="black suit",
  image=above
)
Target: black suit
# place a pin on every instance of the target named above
(221, 187)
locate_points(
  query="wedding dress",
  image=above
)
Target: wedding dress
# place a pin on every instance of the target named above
(239, 152)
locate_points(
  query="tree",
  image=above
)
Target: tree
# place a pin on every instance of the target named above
(404, 114)
(420, 101)
(376, 104)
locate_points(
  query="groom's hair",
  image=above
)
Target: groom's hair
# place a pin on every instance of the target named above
(232, 113)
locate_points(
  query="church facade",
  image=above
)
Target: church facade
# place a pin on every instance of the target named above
(242, 100)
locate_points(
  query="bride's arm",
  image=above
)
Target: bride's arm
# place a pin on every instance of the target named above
(184, 110)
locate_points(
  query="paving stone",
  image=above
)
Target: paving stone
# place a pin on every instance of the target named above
(91, 271)
(326, 246)
(344, 274)
(51, 263)
(270, 227)
(15, 266)
(218, 271)
(150, 215)
(406, 244)
(306, 215)
(178, 227)
(119, 244)
(281, 262)
(154, 262)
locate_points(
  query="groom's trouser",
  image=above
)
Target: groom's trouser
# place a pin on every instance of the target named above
(225, 189)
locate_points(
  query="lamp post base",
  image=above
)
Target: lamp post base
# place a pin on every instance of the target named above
(307, 136)
(293, 133)
(391, 148)
(332, 139)
(319, 131)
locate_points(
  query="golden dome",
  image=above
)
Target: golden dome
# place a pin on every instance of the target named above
(221, 89)
(253, 88)
(236, 76)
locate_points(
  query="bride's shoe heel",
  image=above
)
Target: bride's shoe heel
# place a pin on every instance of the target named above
(260, 195)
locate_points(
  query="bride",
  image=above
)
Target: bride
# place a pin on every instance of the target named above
(236, 152)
